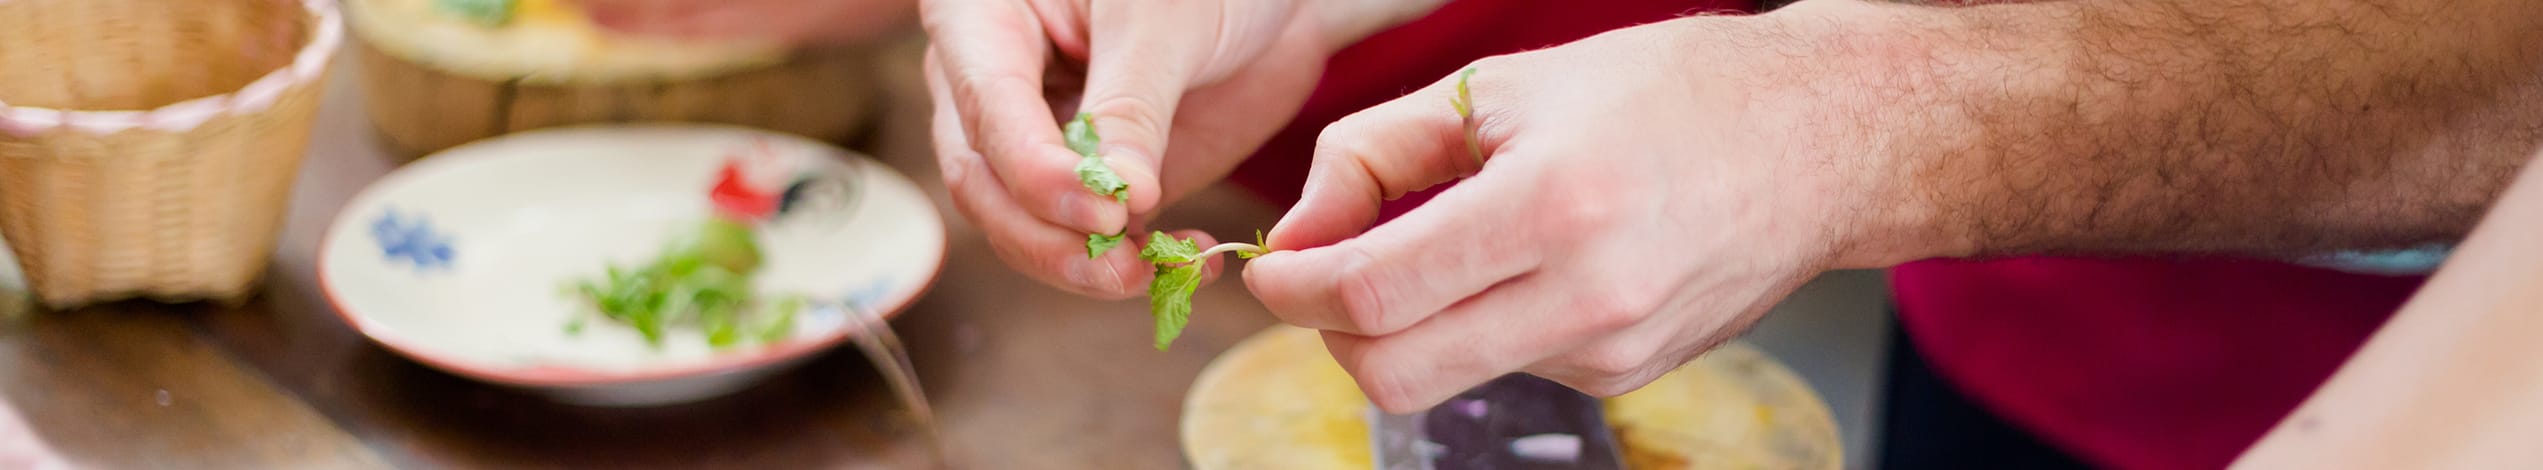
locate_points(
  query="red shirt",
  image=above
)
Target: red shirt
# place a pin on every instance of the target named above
(2133, 364)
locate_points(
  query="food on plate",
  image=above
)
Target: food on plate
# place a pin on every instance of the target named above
(702, 279)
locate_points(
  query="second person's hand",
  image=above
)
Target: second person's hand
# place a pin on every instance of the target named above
(1214, 78)
(1647, 193)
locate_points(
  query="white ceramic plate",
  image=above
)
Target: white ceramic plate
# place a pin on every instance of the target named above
(459, 261)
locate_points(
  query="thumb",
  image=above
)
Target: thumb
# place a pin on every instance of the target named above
(1376, 155)
(1139, 63)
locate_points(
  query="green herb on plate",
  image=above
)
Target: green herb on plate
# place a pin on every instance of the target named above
(703, 280)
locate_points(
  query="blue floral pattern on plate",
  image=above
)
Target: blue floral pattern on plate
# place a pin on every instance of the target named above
(866, 297)
(411, 240)
(862, 299)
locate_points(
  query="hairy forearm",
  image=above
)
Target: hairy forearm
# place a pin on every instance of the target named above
(2268, 127)
(2450, 381)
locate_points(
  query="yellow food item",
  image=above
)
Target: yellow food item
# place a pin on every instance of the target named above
(1278, 401)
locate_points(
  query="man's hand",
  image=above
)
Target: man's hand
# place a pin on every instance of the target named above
(1650, 191)
(1646, 193)
(2450, 381)
(791, 21)
(1214, 78)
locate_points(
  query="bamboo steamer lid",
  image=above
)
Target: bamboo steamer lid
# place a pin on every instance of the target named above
(1278, 401)
(432, 80)
(548, 42)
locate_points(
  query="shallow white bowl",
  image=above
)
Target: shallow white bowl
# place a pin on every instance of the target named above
(459, 261)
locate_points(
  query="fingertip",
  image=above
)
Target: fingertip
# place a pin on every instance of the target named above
(1085, 211)
(1141, 171)
(1324, 215)
(1390, 384)
(1115, 275)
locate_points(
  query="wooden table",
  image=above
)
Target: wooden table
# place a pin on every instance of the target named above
(1023, 376)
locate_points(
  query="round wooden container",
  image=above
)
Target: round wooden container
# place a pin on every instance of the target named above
(148, 147)
(1278, 401)
(433, 82)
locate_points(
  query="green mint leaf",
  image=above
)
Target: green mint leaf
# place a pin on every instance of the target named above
(1099, 178)
(1178, 274)
(1080, 134)
(1097, 243)
(1163, 248)
(1091, 170)
(1170, 300)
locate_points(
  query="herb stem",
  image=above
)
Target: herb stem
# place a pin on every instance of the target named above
(1214, 251)
(1248, 250)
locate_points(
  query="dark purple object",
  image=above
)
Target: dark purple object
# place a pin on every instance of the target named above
(1515, 407)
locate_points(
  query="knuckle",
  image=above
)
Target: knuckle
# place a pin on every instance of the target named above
(1574, 209)
(1610, 360)
(1382, 381)
(1140, 114)
(1360, 292)
(1614, 310)
(1610, 387)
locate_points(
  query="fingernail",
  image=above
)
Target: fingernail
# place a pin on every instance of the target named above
(1078, 209)
(1096, 274)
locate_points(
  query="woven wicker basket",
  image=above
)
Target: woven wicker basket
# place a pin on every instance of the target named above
(148, 147)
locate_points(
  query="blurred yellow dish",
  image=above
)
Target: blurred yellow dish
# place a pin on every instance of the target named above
(547, 42)
(1278, 401)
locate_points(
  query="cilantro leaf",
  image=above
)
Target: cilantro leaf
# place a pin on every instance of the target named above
(1091, 171)
(1097, 243)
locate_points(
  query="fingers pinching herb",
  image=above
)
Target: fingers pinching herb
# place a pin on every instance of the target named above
(1091, 171)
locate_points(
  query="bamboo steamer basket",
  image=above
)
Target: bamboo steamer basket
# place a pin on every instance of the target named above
(431, 83)
(148, 147)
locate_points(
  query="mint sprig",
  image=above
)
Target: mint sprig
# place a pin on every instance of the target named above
(1179, 265)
